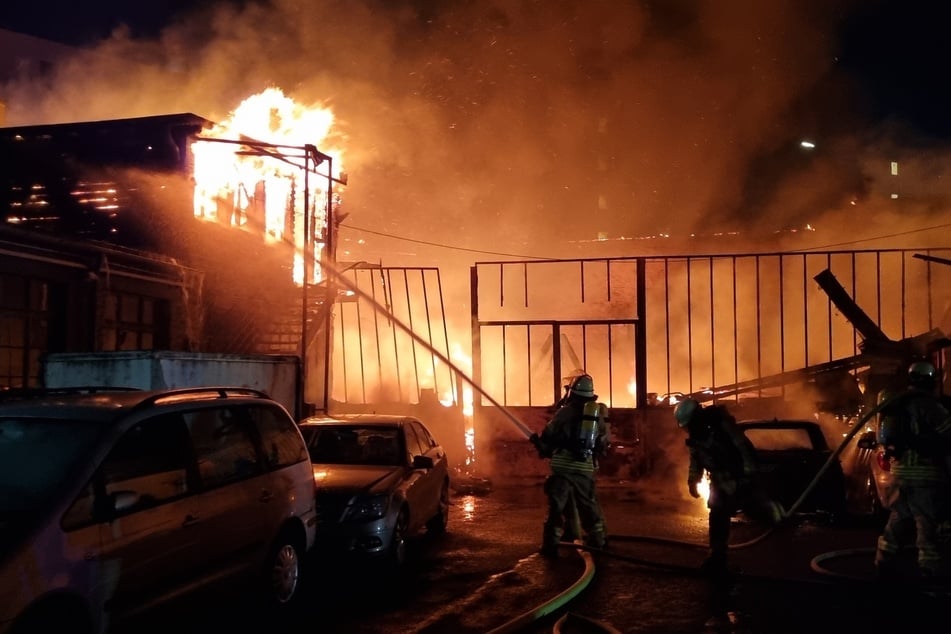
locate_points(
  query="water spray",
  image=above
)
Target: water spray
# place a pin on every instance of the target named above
(339, 277)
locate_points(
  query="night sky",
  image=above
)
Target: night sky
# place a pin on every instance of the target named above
(898, 51)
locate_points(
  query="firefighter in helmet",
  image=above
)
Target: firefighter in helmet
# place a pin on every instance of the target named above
(573, 440)
(717, 446)
(915, 429)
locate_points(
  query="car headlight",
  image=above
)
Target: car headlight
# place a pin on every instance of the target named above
(368, 508)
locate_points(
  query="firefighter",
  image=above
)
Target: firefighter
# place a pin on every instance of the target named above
(573, 440)
(915, 429)
(718, 446)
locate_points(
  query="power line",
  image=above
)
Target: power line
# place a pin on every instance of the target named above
(535, 257)
(890, 235)
(445, 246)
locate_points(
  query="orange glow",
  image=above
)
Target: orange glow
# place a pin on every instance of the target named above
(263, 190)
(704, 488)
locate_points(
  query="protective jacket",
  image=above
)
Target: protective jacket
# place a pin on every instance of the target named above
(562, 437)
(718, 446)
(920, 438)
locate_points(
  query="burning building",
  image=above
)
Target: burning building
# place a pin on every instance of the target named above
(167, 232)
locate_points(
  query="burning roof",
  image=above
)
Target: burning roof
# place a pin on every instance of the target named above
(79, 179)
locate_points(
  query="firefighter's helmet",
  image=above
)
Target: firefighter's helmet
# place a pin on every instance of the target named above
(922, 375)
(582, 385)
(685, 410)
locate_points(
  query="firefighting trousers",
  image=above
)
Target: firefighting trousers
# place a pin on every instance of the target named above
(913, 520)
(563, 491)
(746, 495)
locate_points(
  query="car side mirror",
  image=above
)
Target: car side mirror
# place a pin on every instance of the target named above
(422, 462)
(114, 504)
(867, 440)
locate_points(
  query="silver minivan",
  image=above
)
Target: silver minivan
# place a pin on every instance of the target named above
(114, 501)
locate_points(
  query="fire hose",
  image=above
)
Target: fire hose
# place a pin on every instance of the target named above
(339, 277)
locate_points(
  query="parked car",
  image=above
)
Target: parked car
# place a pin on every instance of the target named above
(789, 455)
(113, 501)
(380, 479)
(869, 475)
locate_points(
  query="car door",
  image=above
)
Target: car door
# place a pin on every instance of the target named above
(425, 483)
(288, 487)
(228, 517)
(141, 497)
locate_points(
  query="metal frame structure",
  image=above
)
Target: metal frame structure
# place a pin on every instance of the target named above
(714, 326)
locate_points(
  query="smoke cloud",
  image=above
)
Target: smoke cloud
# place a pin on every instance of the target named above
(505, 125)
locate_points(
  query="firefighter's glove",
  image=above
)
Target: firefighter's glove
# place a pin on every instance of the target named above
(537, 443)
(692, 487)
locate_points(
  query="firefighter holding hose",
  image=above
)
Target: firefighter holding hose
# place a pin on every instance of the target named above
(915, 429)
(573, 440)
(719, 447)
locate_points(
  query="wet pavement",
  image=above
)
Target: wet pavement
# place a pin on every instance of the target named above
(484, 575)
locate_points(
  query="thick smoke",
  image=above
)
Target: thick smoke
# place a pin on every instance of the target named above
(506, 126)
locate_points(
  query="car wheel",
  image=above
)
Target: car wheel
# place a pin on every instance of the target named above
(397, 551)
(438, 522)
(283, 573)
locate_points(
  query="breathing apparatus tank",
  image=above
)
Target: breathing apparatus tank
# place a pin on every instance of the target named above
(588, 429)
(892, 435)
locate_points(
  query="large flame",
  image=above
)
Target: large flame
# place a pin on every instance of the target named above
(263, 189)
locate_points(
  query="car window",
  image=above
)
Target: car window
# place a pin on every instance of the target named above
(150, 462)
(280, 437)
(383, 448)
(36, 457)
(779, 439)
(223, 445)
(356, 445)
(413, 443)
(425, 439)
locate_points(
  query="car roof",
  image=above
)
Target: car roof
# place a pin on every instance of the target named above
(105, 403)
(382, 420)
(778, 423)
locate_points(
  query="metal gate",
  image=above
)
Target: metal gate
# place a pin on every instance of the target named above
(374, 359)
(725, 325)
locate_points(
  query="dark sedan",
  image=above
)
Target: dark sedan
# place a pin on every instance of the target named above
(380, 479)
(790, 454)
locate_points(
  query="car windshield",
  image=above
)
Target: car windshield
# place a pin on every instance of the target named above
(779, 439)
(356, 445)
(36, 455)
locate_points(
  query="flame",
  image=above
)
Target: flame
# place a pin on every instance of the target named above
(263, 190)
(704, 487)
(463, 361)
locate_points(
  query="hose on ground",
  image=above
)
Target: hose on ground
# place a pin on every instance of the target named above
(554, 604)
